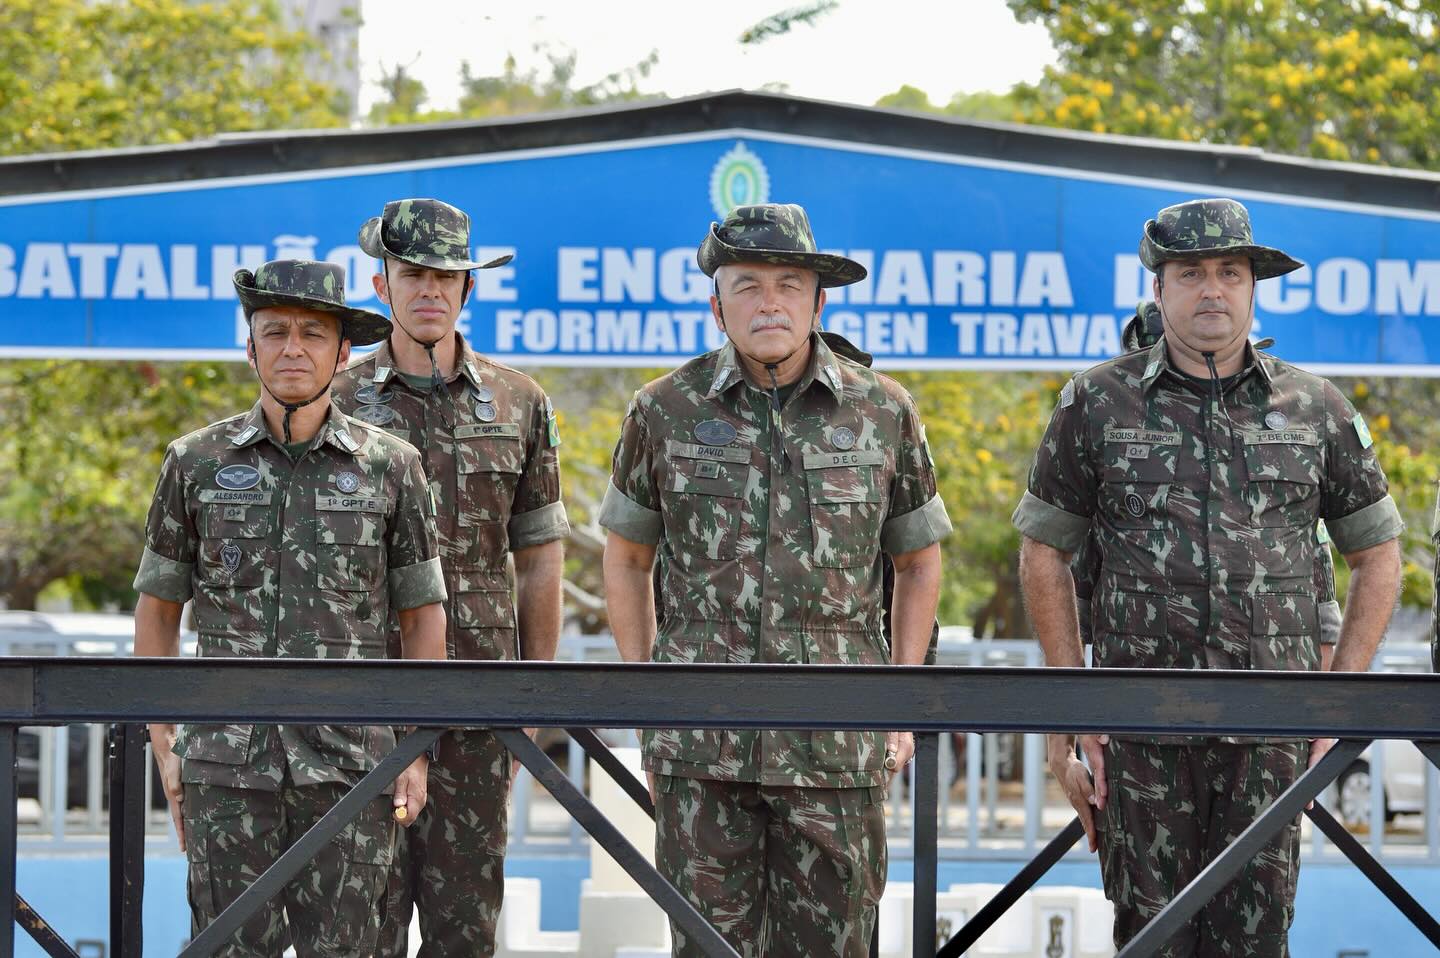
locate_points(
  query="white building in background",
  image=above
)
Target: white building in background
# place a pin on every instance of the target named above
(336, 24)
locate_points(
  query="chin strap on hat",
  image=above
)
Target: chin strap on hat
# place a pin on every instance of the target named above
(437, 381)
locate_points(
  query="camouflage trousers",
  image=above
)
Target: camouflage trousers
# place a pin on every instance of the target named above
(1171, 810)
(450, 865)
(780, 872)
(332, 907)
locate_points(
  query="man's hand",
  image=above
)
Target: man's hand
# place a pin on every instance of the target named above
(899, 746)
(411, 789)
(1087, 795)
(654, 793)
(168, 764)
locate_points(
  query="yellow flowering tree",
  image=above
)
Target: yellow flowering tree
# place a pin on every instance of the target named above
(1356, 81)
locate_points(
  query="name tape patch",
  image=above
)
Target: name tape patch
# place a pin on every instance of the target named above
(488, 430)
(249, 497)
(690, 450)
(327, 502)
(1150, 436)
(852, 457)
(1293, 437)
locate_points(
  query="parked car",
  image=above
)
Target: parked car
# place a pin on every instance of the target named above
(1403, 789)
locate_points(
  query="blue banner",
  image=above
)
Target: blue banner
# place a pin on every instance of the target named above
(973, 264)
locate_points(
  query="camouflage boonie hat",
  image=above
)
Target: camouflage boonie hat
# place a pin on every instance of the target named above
(428, 233)
(317, 286)
(777, 233)
(1203, 228)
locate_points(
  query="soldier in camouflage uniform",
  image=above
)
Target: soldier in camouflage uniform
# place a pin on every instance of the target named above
(770, 476)
(1142, 331)
(487, 438)
(297, 532)
(1202, 464)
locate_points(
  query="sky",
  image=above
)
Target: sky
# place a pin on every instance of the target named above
(856, 53)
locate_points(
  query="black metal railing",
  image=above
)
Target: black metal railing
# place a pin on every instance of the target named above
(510, 695)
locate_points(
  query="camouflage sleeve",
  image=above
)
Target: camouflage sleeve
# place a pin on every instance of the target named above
(1325, 587)
(632, 503)
(1060, 501)
(537, 515)
(917, 516)
(1355, 501)
(412, 546)
(1085, 569)
(170, 536)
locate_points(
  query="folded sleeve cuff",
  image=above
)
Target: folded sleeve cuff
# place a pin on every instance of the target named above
(163, 578)
(1055, 527)
(628, 519)
(1329, 622)
(916, 529)
(1376, 523)
(415, 585)
(538, 526)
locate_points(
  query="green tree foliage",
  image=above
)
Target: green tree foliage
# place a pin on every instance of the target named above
(78, 74)
(783, 22)
(511, 92)
(1334, 79)
(83, 442)
(981, 105)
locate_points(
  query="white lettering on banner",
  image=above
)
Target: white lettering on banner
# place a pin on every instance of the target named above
(491, 285)
(1285, 294)
(1002, 278)
(225, 260)
(1041, 335)
(1132, 281)
(139, 272)
(856, 294)
(93, 258)
(882, 333)
(359, 269)
(183, 283)
(605, 332)
(8, 280)
(960, 278)
(902, 279)
(627, 277)
(1342, 286)
(576, 271)
(1044, 281)
(1401, 288)
(680, 278)
(46, 272)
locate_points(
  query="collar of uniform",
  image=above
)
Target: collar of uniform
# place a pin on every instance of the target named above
(340, 432)
(1157, 360)
(466, 361)
(386, 371)
(251, 428)
(823, 367)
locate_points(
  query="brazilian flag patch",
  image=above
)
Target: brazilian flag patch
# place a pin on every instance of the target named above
(1363, 431)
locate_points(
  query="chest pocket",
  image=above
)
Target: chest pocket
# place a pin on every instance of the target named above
(348, 535)
(488, 462)
(1136, 488)
(701, 499)
(847, 506)
(1283, 470)
(235, 549)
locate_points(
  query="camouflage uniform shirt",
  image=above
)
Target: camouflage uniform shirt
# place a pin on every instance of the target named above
(1204, 511)
(285, 558)
(770, 528)
(489, 450)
